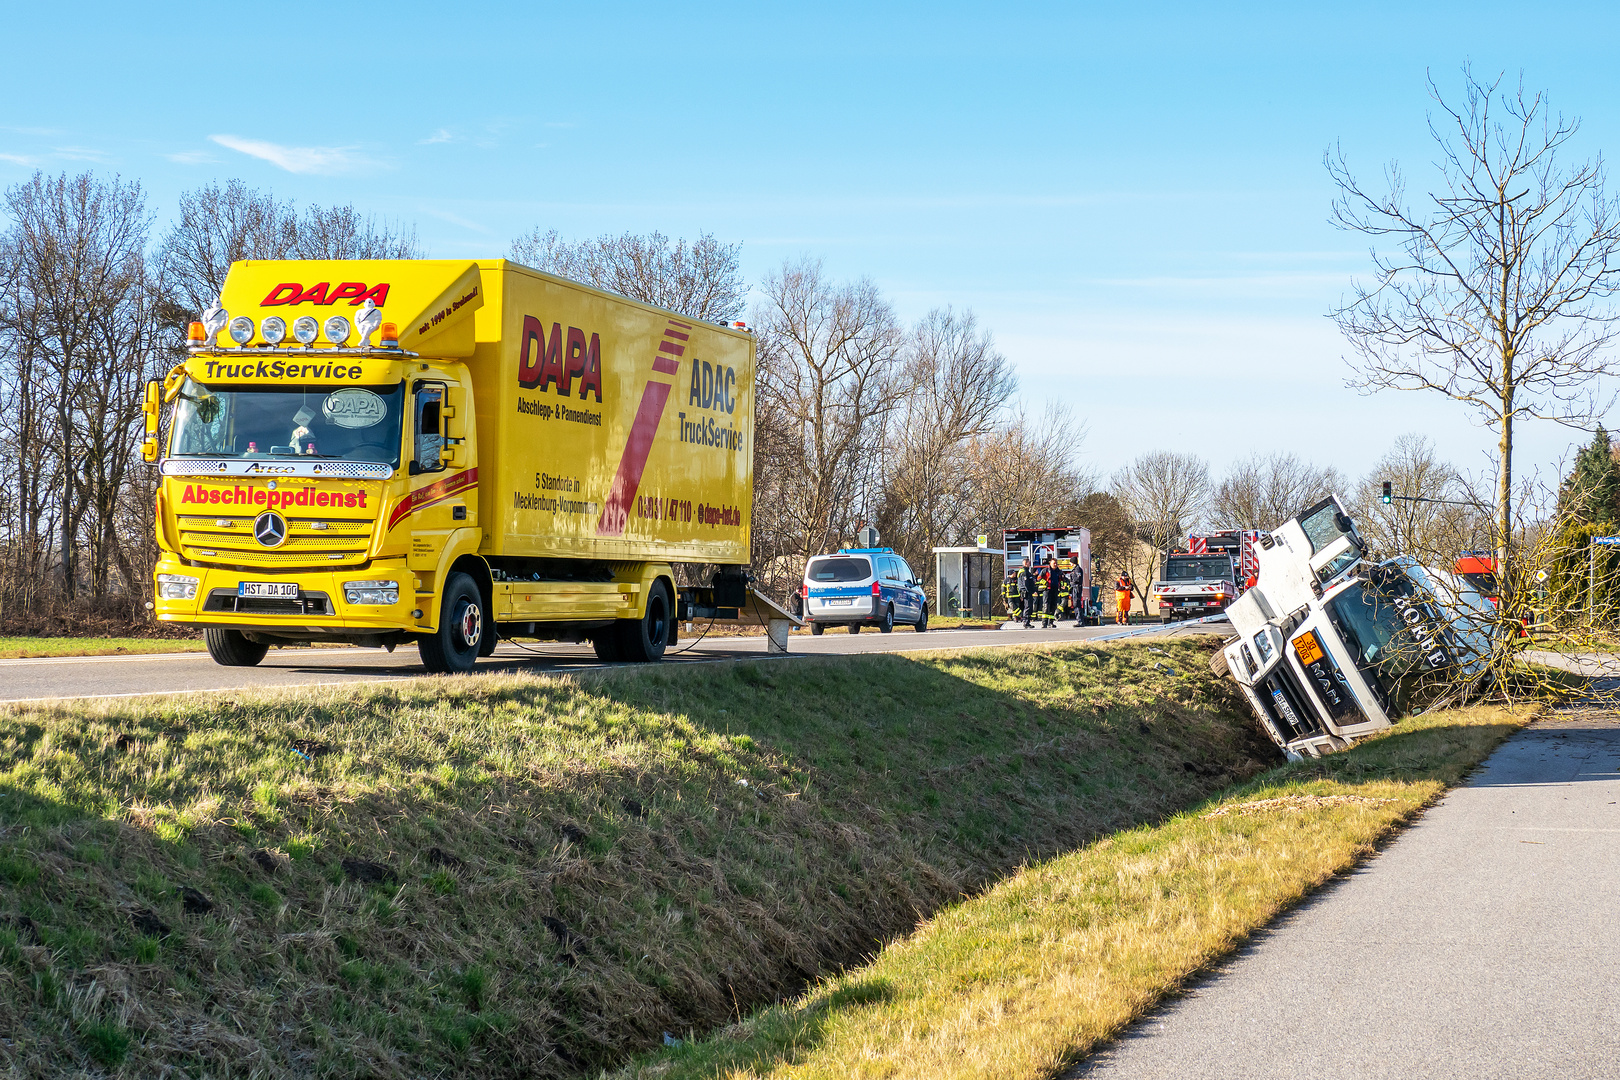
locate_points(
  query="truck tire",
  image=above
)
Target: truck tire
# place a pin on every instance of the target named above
(231, 648)
(887, 623)
(486, 645)
(453, 648)
(1218, 664)
(642, 641)
(606, 644)
(922, 621)
(816, 629)
(854, 627)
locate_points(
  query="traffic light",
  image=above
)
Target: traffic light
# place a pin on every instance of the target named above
(1385, 497)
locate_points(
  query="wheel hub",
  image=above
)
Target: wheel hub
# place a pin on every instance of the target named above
(472, 625)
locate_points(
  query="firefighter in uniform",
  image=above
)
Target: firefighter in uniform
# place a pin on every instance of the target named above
(1077, 599)
(1026, 593)
(1051, 581)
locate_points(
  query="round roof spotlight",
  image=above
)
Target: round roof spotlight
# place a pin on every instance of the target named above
(337, 330)
(273, 329)
(241, 329)
(305, 329)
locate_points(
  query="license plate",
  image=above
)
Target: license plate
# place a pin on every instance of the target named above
(840, 603)
(274, 590)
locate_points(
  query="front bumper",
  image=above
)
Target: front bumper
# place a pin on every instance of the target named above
(320, 610)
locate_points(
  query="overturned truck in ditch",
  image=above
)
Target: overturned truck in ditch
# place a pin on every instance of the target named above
(1333, 643)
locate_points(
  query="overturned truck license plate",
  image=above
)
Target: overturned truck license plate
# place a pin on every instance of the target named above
(276, 590)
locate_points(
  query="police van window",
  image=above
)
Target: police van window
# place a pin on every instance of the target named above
(839, 568)
(903, 570)
(429, 437)
(891, 569)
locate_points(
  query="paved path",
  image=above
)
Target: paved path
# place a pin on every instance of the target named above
(1483, 943)
(174, 673)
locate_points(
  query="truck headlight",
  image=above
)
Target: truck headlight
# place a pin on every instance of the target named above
(371, 592)
(241, 330)
(176, 587)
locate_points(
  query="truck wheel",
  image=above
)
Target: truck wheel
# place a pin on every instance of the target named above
(816, 629)
(887, 625)
(854, 627)
(486, 646)
(922, 621)
(1218, 664)
(606, 644)
(231, 648)
(642, 640)
(453, 648)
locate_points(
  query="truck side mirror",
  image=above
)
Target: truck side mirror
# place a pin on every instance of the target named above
(152, 408)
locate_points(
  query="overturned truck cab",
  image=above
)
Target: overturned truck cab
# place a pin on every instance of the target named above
(1333, 644)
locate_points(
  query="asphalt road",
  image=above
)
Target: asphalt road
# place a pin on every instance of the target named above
(178, 673)
(1483, 943)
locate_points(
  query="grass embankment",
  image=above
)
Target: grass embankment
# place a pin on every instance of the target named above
(1033, 974)
(12, 648)
(539, 876)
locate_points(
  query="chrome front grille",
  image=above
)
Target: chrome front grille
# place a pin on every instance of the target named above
(230, 540)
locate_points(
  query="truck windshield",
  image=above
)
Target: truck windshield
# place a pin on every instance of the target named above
(355, 423)
(1212, 569)
(839, 568)
(1398, 636)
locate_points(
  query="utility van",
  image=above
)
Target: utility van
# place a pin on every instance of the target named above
(862, 587)
(442, 452)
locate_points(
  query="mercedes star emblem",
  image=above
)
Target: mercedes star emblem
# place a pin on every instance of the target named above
(270, 529)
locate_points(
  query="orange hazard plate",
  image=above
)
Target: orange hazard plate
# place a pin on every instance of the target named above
(1308, 648)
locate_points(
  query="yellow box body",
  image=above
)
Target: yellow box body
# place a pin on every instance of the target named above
(586, 428)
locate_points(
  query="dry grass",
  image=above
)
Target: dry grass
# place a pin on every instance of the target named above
(518, 876)
(1032, 975)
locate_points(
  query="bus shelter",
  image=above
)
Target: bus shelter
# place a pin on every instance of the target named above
(966, 581)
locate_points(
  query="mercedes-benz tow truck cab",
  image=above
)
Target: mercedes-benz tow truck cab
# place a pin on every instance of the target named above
(434, 452)
(860, 587)
(1332, 646)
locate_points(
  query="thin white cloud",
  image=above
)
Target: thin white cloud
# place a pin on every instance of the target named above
(19, 159)
(78, 153)
(442, 135)
(46, 132)
(444, 215)
(319, 160)
(192, 157)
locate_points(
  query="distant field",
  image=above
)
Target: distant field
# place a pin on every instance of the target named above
(13, 647)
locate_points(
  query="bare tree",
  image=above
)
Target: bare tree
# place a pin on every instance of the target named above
(702, 280)
(956, 384)
(217, 226)
(1264, 490)
(342, 232)
(1434, 532)
(79, 311)
(1492, 289)
(1165, 494)
(1024, 473)
(829, 359)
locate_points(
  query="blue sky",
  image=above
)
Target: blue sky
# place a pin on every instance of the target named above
(1131, 197)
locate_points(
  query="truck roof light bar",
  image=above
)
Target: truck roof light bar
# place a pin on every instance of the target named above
(306, 329)
(375, 351)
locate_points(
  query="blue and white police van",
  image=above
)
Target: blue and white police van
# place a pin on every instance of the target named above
(860, 587)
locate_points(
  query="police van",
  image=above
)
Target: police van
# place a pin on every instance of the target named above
(862, 587)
